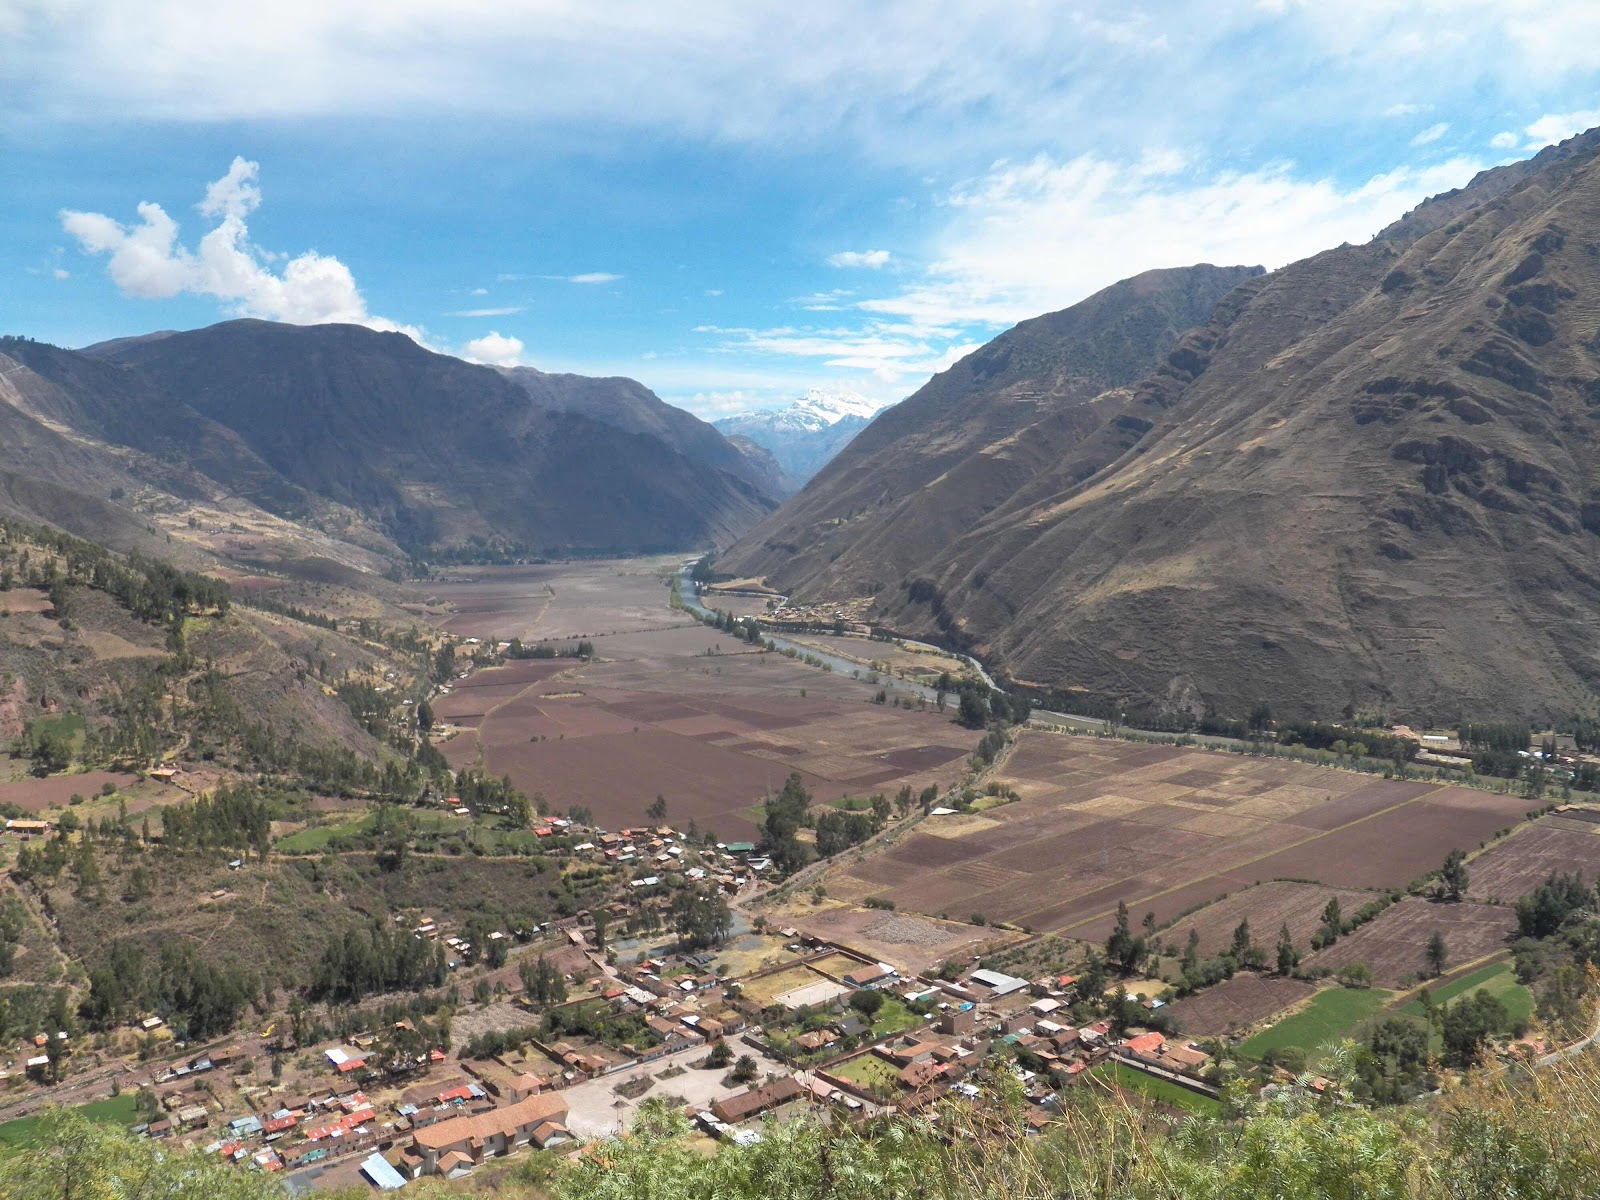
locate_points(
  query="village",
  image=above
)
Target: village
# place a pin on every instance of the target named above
(819, 1028)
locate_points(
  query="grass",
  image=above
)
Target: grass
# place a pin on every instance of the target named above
(1496, 978)
(868, 1071)
(23, 1133)
(1163, 1091)
(894, 1017)
(1331, 1015)
(852, 803)
(310, 841)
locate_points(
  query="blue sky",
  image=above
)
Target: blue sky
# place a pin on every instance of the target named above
(730, 202)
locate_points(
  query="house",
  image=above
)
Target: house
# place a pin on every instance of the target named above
(919, 1075)
(23, 827)
(383, 1176)
(489, 1134)
(910, 1050)
(873, 975)
(998, 982)
(743, 1105)
(958, 1019)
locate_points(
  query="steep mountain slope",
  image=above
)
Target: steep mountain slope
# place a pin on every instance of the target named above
(1372, 480)
(340, 427)
(804, 436)
(631, 407)
(921, 473)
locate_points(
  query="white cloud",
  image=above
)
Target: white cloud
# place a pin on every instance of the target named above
(494, 349)
(905, 83)
(1031, 237)
(507, 311)
(60, 273)
(713, 292)
(480, 291)
(593, 277)
(1431, 134)
(147, 260)
(870, 259)
(1558, 127)
(1505, 141)
(1406, 110)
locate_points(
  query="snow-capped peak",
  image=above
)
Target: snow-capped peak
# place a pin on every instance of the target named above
(816, 410)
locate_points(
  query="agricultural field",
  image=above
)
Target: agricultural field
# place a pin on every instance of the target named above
(1163, 1091)
(676, 709)
(37, 795)
(1333, 1014)
(1394, 944)
(1496, 979)
(1515, 866)
(1268, 907)
(1167, 829)
(911, 942)
(1238, 1003)
(25, 1132)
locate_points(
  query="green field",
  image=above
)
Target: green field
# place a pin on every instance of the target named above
(1164, 1091)
(309, 841)
(23, 1133)
(893, 1017)
(1331, 1015)
(1497, 979)
(870, 1072)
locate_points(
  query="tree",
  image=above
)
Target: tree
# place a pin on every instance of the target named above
(52, 752)
(1332, 922)
(1288, 956)
(866, 1001)
(1240, 949)
(542, 982)
(1453, 875)
(973, 711)
(1438, 953)
(658, 809)
(1191, 952)
(424, 716)
(745, 1070)
(904, 799)
(600, 925)
(880, 810)
(721, 1055)
(1124, 951)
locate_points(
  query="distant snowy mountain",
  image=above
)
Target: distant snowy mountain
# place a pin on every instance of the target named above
(803, 436)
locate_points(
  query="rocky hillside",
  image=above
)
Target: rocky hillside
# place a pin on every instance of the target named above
(925, 471)
(1371, 480)
(371, 438)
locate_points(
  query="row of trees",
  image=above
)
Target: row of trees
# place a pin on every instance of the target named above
(377, 959)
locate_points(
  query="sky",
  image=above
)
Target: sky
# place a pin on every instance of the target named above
(730, 202)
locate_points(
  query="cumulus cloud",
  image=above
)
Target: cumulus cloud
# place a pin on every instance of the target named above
(146, 259)
(870, 259)
(494, 349)
(1558, 127)
(1431, 134)
(1505, 141)
(1035, 236)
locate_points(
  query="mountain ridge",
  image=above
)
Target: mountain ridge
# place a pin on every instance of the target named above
(1367, 482)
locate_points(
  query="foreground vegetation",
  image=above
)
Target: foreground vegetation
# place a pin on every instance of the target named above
(1535, 1136)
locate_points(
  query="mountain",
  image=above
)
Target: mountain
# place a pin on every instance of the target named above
(633, 408)
(371, 439)
(1370, 481)
(805, 435)
(923, 472)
